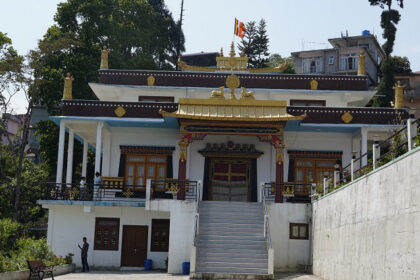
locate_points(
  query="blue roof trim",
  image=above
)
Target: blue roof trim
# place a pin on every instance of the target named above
(122, 122)
(93, 203)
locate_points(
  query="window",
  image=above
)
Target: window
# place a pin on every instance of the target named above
(299, 231)
(107, 234)
(160, 236)
(312, 65)
(297, 102)
(139, 168)
(331, 60)
(313, 170)
(157, 99)
(348, 62)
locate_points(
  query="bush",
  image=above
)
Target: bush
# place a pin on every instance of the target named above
(15, 253)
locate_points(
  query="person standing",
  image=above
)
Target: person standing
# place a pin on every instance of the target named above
(83, 188)
(97, 182)
(84, 250)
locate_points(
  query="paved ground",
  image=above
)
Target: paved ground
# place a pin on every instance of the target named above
(117, 275)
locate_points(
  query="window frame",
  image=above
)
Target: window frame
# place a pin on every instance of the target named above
(299, 225)
(320, 103)
(331, 60)
(101, 247)
(161, 223)
(314, 168)
(156, 99)
(146, 163)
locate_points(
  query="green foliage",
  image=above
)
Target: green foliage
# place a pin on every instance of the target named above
(401, 65)
(389, 20)
(255, 44)
(276, 60)
(8, 229)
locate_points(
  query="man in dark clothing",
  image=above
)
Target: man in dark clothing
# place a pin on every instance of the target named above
(84, 250)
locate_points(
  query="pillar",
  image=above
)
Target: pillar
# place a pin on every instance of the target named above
(361, 65)
(98, 147)
(70, 148)
(364, 146)
(84, 161)
(182, 165)
(60, 157)
(276, 142)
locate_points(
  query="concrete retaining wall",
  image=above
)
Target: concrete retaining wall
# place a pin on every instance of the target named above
(371, 228)
(24, 274)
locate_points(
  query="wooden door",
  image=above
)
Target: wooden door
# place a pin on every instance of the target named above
(134, 246)
(230, 179)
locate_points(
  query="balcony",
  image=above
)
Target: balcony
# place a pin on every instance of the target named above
(288, 191)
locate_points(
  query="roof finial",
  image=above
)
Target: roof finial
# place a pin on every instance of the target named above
(68, 87)
(232, 50)
(104, 58)
(221, 52)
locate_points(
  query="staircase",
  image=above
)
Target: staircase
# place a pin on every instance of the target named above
(231, 243)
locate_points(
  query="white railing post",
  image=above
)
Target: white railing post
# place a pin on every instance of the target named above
(261, 192)
(352, 169)
(265, 225)
(148, 189)
(374, 147)
(325, 186)
(335, 179)
(409, 136)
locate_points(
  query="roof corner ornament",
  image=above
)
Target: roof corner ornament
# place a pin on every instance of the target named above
(221, 52)
(399, 95)
(232, 50)
(314, 85)
(104, 58)
(247, 94)
(218, 94)
(68, 87)
(361, 65)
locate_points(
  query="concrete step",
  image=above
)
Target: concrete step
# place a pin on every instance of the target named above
(232, 259)
(224, 236)
(237, 265)
(233, 270)
(224, 276)
(234, 250)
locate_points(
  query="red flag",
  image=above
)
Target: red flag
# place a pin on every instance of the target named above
(239, 28)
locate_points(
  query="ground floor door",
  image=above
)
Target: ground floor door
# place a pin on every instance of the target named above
(230, 179)
(134, 246)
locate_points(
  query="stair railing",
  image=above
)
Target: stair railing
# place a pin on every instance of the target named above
(193, 257)
(267, 234)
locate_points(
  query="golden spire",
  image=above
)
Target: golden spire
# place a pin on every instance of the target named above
(399, 95)
(243, 53)
(232, 50)
(68, 87)
(361, 67)
(221, 52)
(104, 58)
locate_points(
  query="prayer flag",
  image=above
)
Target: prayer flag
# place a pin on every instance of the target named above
(239, 28)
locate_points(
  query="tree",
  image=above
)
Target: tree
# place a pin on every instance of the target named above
(276, 60)
(140, 34)
(255, 44)
(389, 20)
(247, 44)
(261, 41)
(401, 65)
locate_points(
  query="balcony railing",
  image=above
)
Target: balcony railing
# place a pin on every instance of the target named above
(291, 192)
(174, 189)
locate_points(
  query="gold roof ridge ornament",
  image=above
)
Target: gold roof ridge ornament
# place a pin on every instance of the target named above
(104, 58)
(68, 87)
(232, 63)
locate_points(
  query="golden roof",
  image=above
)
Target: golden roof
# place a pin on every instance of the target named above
(221, 109)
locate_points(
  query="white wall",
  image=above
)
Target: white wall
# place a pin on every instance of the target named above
(181, 232)
(371, 228)
(67, 224)
(289, 254)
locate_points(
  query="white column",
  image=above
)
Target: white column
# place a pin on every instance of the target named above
(70, 147)
(98, 147)
(106, 153)
(409, 134)
(60, 157)
(84, 161)
(364, 146)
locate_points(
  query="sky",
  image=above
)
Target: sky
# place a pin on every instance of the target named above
(208, 25)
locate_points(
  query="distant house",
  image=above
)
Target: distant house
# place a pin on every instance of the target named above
(411, 91)
(342, 58)
(12, 125)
